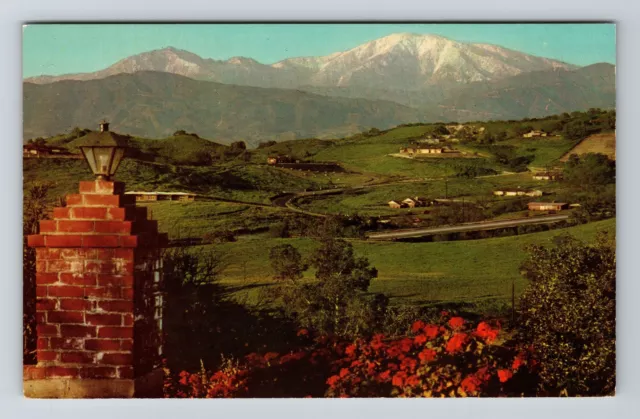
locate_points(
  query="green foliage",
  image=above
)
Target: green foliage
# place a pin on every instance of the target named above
(286, 262)
(568, 312)
(589, 170)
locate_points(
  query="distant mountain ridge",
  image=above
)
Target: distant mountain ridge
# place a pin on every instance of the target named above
(399, 61)
(156, 104)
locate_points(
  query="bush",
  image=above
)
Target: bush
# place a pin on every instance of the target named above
(219, 236)
(568, 312)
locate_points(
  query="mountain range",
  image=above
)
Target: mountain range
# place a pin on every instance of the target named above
(395, 79)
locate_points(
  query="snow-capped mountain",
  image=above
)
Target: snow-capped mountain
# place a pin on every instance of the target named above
(399, 61)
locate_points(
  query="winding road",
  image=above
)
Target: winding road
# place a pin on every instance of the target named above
(483, 225)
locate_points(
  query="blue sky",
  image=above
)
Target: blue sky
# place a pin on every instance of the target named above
(76, 48)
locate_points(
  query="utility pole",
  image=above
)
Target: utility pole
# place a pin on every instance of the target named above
(513, 303)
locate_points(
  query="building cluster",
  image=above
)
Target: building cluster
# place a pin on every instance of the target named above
(163, 196)
(517, 192)
(547, 206)
(422, 150)
(37, 150)
(409, 203)
(547, 176)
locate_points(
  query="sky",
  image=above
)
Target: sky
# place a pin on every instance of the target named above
(55, 49)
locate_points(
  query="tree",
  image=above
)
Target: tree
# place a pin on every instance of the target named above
(575, 130)
(286, 262)
(569, 311)
(337, 303)
(238, 146)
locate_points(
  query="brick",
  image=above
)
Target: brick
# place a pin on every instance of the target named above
(56, 371)
(46, 304)
(65, 291)
(70, 253)
(115, 280)
(116, 359)
(78, 357)
(116, 213)
(74, 331)
(113, 227)
(41, 291)
(123, 254)
(116, 306)
(63, 241)
(98, 372)
(129, 241)
(75, 226)
(103, 292)
(43, 343)
(47, 356)
(102, 200)
(87, 187)
(48, 226)
(78, 279)
(67, 343)
(75, 304)
(41, 317)
(105, 254)
(47, 330)
(104, 319)
(115, 332)
(67, 317)
(127, 293)
(101, 241)
(46, 278)
(31, 372)
(58, 265)
(51, 253)
(61, 213)
(102, 345)
(96, 267)
(92, 213)
(74, 200)
(125, 372)
(126, 345)
(41, 266)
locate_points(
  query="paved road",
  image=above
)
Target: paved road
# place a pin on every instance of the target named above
(417, 232)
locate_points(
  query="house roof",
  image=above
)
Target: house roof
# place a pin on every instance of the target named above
(102, 139)
(159, 193)
(547, 203)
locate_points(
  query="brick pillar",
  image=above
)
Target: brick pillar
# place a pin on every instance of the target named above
(98, 301)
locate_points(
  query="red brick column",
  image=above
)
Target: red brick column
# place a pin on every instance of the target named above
(94, 264)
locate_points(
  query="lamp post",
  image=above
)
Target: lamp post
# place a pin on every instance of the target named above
(103, 151)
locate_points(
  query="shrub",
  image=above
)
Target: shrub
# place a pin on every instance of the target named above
(568, 313)
(219, 236)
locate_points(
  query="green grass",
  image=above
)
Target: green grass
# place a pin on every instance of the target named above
(546, 150)
(478, 272)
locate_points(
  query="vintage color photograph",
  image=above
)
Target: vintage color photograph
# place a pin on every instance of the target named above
(319, 210)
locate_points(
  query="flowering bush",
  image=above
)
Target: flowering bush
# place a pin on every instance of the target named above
(451, 359)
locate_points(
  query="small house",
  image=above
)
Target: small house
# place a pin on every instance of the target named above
(163, 196)
(410, 203)
(394, 204)
(547, 206)
(534, 133)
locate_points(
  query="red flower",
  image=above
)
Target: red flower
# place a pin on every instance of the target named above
(427, 355)
(344, 372)
(412, 381)
(405, 344)
(398, 379)
(303, 332)
(384, 376)
(350, 350)
(333, 380)
(455, 342)
(356, 363)
(456, 322)
(431, 331)
(408, 363)
(485, 332)
(470, 384)
(504, 375)
(517, 362)
(420, 339)
(376, 342)
(415, 327)
(270, 355)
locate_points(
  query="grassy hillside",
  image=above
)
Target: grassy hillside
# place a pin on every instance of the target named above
(478, 272)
